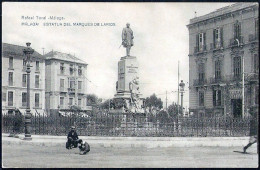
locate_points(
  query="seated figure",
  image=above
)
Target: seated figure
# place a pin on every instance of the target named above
(73, 139)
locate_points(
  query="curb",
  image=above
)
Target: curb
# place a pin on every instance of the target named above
(131, 142)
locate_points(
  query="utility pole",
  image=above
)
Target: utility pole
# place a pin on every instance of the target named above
(166, 101)
(42, 51)
(243, 87)
(75, 82)
(178, 92)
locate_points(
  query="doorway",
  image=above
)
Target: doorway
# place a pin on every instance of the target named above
(236, 105)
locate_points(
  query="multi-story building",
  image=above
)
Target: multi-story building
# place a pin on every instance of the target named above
(219, 42)
(14, 80)
(66, 83)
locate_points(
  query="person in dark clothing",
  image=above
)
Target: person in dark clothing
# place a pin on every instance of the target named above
(252, 132)
(84, 147)
(73, 139)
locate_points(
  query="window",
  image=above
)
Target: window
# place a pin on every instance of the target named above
(61, 101)
(37, 65)
(201, 72)
(237, 30)
(201, 98)
(256, 27)
(24, 64)
(37, 81)
(72, 83)
(237, 67)
(10, 98)
(10, 78)
(79, 102)
(61, 84)
(218, 70)
(62, 68)
(70, 101)
(71, 69)
(217, 98)
(37, 100)
(80, 71)
(11, 63)
(201, 41)
(80, 85)
(24, 99)
(24, 80)
(218, 37)
(256, 63)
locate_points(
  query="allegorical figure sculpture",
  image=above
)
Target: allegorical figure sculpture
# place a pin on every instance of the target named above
(134, 90)
(127, 38)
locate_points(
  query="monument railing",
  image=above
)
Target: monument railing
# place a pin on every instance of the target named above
(103, 123)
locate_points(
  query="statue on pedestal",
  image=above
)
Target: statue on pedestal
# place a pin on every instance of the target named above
(127, 38)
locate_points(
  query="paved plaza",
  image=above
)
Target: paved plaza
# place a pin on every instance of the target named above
(48, 156)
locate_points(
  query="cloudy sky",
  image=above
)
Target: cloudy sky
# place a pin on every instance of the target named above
(161, 39)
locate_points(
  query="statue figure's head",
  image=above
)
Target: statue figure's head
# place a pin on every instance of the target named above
(128, 25)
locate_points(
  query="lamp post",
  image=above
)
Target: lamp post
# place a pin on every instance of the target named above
(28, 51)
(182, 85)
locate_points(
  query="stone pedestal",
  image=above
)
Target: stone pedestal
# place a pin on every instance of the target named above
(128, 70)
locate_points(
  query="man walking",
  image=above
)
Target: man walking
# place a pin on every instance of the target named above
(252, 132)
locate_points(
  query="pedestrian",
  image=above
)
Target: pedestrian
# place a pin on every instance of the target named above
(84, 147)
(73, 138)
(252, 132)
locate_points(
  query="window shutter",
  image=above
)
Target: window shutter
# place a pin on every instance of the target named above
(221, 37)
(214, 97)
(239, 30)
(214, 38)
(234, 31)
(197, 42)
(204, 40)
(219, 97)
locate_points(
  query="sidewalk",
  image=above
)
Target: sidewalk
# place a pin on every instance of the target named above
(130, 142)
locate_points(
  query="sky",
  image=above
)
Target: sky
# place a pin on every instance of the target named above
(160, 39)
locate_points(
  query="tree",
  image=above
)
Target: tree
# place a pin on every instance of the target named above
(173, 110)
(153, 102)
(93, 99)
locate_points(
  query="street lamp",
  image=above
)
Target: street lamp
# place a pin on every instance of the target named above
(28, 51)
(182, 85)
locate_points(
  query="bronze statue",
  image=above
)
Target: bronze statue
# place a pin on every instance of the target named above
(127, 38)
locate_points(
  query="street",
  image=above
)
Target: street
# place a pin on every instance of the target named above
(30, 156)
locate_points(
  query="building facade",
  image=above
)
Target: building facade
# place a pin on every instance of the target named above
(219, 42)
(14, 80)
(66, 84)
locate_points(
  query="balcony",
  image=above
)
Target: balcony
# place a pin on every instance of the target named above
(200, 49)
(71, 90)
(214, 80)
(234, 41)
(252, 77)
(216, 46)
(199, 82)
(252, 38)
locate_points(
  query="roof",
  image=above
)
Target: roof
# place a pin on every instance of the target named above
(222, 11)
(63, 56)
(16, 50)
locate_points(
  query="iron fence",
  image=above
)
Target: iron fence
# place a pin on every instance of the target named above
(103, 123)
